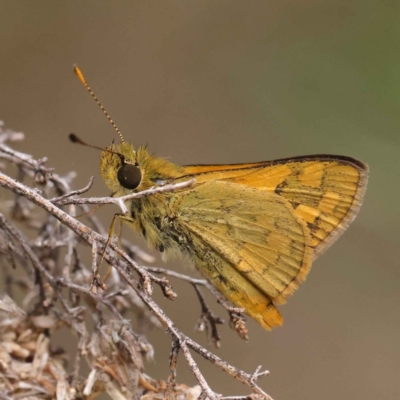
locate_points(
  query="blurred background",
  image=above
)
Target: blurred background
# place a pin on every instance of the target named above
(230, 82)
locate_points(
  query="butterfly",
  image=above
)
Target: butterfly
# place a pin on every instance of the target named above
(252, 229)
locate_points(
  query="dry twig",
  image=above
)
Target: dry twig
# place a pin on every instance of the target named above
(58, 295)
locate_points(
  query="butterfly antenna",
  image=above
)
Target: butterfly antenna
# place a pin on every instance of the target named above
(80, 76)
(74, 139)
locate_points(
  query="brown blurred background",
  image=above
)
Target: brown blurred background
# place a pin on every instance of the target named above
(237, 81)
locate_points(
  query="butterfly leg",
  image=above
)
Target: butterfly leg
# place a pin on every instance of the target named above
(96, 271)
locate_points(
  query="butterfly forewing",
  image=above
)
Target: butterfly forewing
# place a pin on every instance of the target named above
(324, 191)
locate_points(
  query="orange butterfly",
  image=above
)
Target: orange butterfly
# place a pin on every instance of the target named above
(252, 229)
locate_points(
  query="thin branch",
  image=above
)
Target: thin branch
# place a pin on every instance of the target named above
(173, 187)
(208, 316)
(235, 313)
(173, 361)
(74, 192)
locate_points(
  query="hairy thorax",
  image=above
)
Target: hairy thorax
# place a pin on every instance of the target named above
(155, 219)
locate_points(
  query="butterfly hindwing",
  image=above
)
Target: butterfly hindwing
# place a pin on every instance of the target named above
(252, 245)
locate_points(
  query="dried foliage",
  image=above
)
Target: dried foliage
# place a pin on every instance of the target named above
(41, 255)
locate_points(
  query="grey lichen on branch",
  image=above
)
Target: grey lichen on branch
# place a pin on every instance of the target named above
(56, 292)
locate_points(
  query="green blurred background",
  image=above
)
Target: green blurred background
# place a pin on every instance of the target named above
(227, 82)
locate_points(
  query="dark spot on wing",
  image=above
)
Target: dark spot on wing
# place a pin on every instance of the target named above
(222, 279)
(279, 189)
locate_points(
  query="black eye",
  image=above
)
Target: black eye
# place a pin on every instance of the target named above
(129, 176)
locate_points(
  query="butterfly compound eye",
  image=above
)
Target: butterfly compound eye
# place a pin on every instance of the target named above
(129, 176)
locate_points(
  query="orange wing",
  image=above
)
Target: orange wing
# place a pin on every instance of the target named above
(248, 242)
(325, 191)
